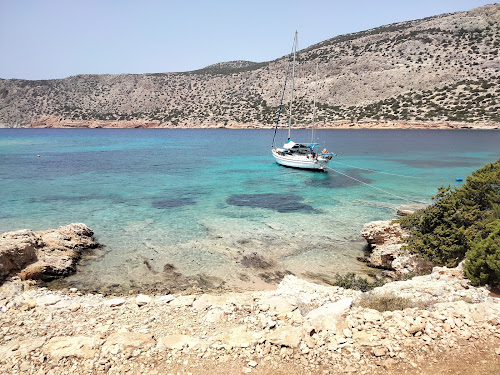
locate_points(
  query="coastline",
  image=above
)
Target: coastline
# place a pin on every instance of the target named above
(54, 122)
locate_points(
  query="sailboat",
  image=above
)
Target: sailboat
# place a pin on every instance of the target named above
(297, 154)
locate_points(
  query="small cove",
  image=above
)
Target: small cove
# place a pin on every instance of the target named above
(210, 209)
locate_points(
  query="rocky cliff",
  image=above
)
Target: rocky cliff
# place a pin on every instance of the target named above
(438, 71)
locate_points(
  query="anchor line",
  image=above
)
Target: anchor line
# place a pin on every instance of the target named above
(374, 170)
(377, 188)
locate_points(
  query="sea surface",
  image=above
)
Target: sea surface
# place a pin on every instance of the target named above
(210, 209)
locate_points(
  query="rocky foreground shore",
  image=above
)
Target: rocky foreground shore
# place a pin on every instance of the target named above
(433, 324)
(301, 328)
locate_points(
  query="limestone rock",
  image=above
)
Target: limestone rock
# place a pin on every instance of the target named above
(69, 346)
(183, 301)
(386, 240)
(380, 232)
(280, 304)
(240, 337)
(166, 299)
(214, 315)
(115, 302)
(17, 249)
(328, 316)
(48, 300)
(178, 342)
(379, 351)
(286, 336)
(142, 300)
(123, 340)
(408, 209)
(45, 254)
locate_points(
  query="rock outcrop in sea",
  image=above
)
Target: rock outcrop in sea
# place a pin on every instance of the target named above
(386, 240)
(44, 255)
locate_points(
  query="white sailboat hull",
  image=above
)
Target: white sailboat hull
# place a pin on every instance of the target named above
(301, 161)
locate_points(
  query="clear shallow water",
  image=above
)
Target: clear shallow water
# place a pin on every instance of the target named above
(184, 209)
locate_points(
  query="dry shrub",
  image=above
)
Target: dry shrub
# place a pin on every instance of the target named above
(389, 302)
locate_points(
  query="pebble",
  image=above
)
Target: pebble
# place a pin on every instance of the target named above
(115, 302)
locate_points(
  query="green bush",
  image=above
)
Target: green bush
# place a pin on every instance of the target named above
(482, 263)
(458, 221)
(351, 281)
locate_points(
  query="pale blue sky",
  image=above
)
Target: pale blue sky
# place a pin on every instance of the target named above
(57, 38)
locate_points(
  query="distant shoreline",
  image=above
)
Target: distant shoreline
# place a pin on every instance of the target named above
(130, 124)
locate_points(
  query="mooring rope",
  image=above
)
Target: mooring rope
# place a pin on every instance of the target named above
(377, 188)
(374, 170)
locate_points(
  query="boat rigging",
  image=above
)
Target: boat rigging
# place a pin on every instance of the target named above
(292, 154)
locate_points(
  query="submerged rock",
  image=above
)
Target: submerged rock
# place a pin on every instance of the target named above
(279, 202)
(44, 255)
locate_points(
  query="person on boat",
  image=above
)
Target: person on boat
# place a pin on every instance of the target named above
(325, 151)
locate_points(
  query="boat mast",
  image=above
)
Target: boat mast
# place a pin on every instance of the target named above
(314, 105)
(293, 79)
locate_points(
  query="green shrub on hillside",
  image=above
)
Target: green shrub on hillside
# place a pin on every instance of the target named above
(482, 264)
(459, 222)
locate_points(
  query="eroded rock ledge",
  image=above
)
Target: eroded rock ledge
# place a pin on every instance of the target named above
(44, 255)
(386, 240)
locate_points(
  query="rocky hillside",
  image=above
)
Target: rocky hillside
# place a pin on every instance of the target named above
(439, 69)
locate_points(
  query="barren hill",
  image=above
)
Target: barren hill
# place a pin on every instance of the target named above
(439, 69)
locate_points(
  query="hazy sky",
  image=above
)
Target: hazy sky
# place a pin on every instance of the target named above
(41, 39)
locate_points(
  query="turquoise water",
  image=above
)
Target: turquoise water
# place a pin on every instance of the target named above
(189, 209)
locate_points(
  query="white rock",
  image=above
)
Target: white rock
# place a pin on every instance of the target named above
(214, 315)
(280, 304)
(327, 316)
(166, 299)
(178, 342)
(286, 336)
(183, 301)
(142, 299)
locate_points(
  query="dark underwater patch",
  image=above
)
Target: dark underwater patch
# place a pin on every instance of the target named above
(278, 202)
(172, 203)
(333, 180)
(256, 261)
